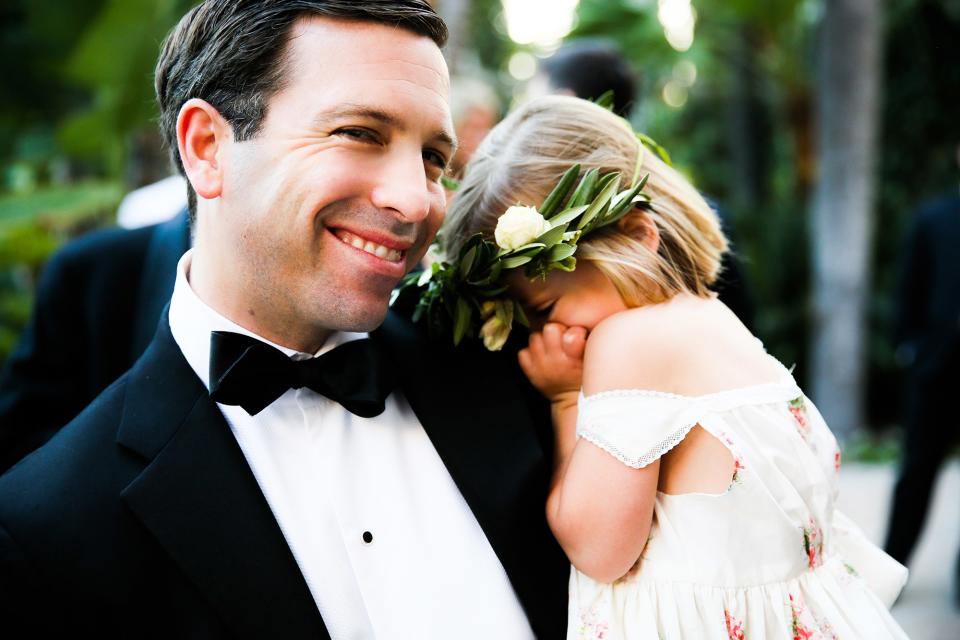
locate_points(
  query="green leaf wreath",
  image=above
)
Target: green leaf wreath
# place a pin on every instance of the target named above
(466, 298)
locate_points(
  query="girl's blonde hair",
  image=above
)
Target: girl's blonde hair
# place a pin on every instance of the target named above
(525, 155)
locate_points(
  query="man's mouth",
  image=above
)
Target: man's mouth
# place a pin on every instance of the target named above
(390, 254)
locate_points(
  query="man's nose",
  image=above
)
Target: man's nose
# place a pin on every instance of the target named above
(402, 187)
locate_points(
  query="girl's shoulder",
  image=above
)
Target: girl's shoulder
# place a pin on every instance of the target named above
(667, 328)
(640, 348)
(687, 346)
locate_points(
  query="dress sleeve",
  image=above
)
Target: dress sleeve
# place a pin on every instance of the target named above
(636, 427)
(882, 574)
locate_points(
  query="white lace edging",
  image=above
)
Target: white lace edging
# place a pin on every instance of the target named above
(652, 455)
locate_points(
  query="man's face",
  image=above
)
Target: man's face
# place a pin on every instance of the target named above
(338, 195)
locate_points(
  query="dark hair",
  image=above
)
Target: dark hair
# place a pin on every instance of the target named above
(590, 68)
(230, 54)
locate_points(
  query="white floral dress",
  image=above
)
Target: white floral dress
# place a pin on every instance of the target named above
(768, 559)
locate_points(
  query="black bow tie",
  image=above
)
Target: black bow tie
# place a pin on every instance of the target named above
(252, 374)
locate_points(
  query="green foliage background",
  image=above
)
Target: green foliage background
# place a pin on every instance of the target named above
(76, 100)
(76, 96)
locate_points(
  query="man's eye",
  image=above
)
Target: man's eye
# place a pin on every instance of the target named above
(436, 159)
(363, 135)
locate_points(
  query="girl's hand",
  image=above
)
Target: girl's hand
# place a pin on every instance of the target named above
(553, 361)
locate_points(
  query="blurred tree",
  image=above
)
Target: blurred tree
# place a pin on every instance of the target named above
(843, 207)
(35, 37)
(114, 62)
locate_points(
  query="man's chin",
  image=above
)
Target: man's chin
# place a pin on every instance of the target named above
(361, 320)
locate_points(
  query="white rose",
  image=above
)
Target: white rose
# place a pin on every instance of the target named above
(519, 226)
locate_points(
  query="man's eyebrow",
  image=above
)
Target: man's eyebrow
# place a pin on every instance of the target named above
(354, 111)
(443, 136)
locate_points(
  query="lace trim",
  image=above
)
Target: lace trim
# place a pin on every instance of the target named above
(633, 393)
(653, 454)
(786, 381)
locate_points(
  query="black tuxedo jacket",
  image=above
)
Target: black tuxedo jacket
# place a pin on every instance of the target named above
(928, 315)
(141, 518)
(97, 306)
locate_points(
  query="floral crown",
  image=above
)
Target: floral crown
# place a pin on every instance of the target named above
(465, 297)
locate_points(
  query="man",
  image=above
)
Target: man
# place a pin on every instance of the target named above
(928, 339)
(313, 134)
(97, 305)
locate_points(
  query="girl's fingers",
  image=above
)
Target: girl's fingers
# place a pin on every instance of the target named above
(552, 337)
(526, 362)
(536, 346)
(575, 342)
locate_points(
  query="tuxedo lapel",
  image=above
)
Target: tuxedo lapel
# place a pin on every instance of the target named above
(473, 408)
(199, 499)
(169, 241)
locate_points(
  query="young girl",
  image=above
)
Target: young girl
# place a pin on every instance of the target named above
(695, 484)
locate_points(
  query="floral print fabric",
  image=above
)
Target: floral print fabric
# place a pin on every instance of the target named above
(769, 559)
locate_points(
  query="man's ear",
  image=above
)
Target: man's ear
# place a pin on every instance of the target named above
(641, 226)
(201, 135)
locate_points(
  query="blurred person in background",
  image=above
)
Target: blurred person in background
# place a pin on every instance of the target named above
(96, 308)
(475, 108)
(928, 343)
(153, 203)
(589, 68)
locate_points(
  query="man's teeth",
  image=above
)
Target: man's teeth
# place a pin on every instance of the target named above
(378, 250)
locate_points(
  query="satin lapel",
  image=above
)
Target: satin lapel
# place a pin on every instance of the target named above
(199, 499)
(473, 408)
(169, 241)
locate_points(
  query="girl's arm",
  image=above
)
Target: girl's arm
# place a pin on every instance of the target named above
(599, 509)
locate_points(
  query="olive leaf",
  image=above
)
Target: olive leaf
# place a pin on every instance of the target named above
(461, 321)
(556, 197)
(605, 100)
(520, 315)
(601, 202)
(467, 263)
(560, 252)
(567, 216)
(585, 189)
(553, 236)
(515, 261)
(652, 144)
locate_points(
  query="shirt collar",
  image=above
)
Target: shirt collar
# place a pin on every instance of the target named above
(192, 321)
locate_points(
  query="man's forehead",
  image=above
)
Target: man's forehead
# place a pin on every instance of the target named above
(381, 50)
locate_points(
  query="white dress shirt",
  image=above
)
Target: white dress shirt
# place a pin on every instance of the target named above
(383, 537)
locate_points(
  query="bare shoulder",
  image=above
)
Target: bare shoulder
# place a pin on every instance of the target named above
(641, 348)
(688, 346)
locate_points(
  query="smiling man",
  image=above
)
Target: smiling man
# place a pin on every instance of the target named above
(289, 459)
